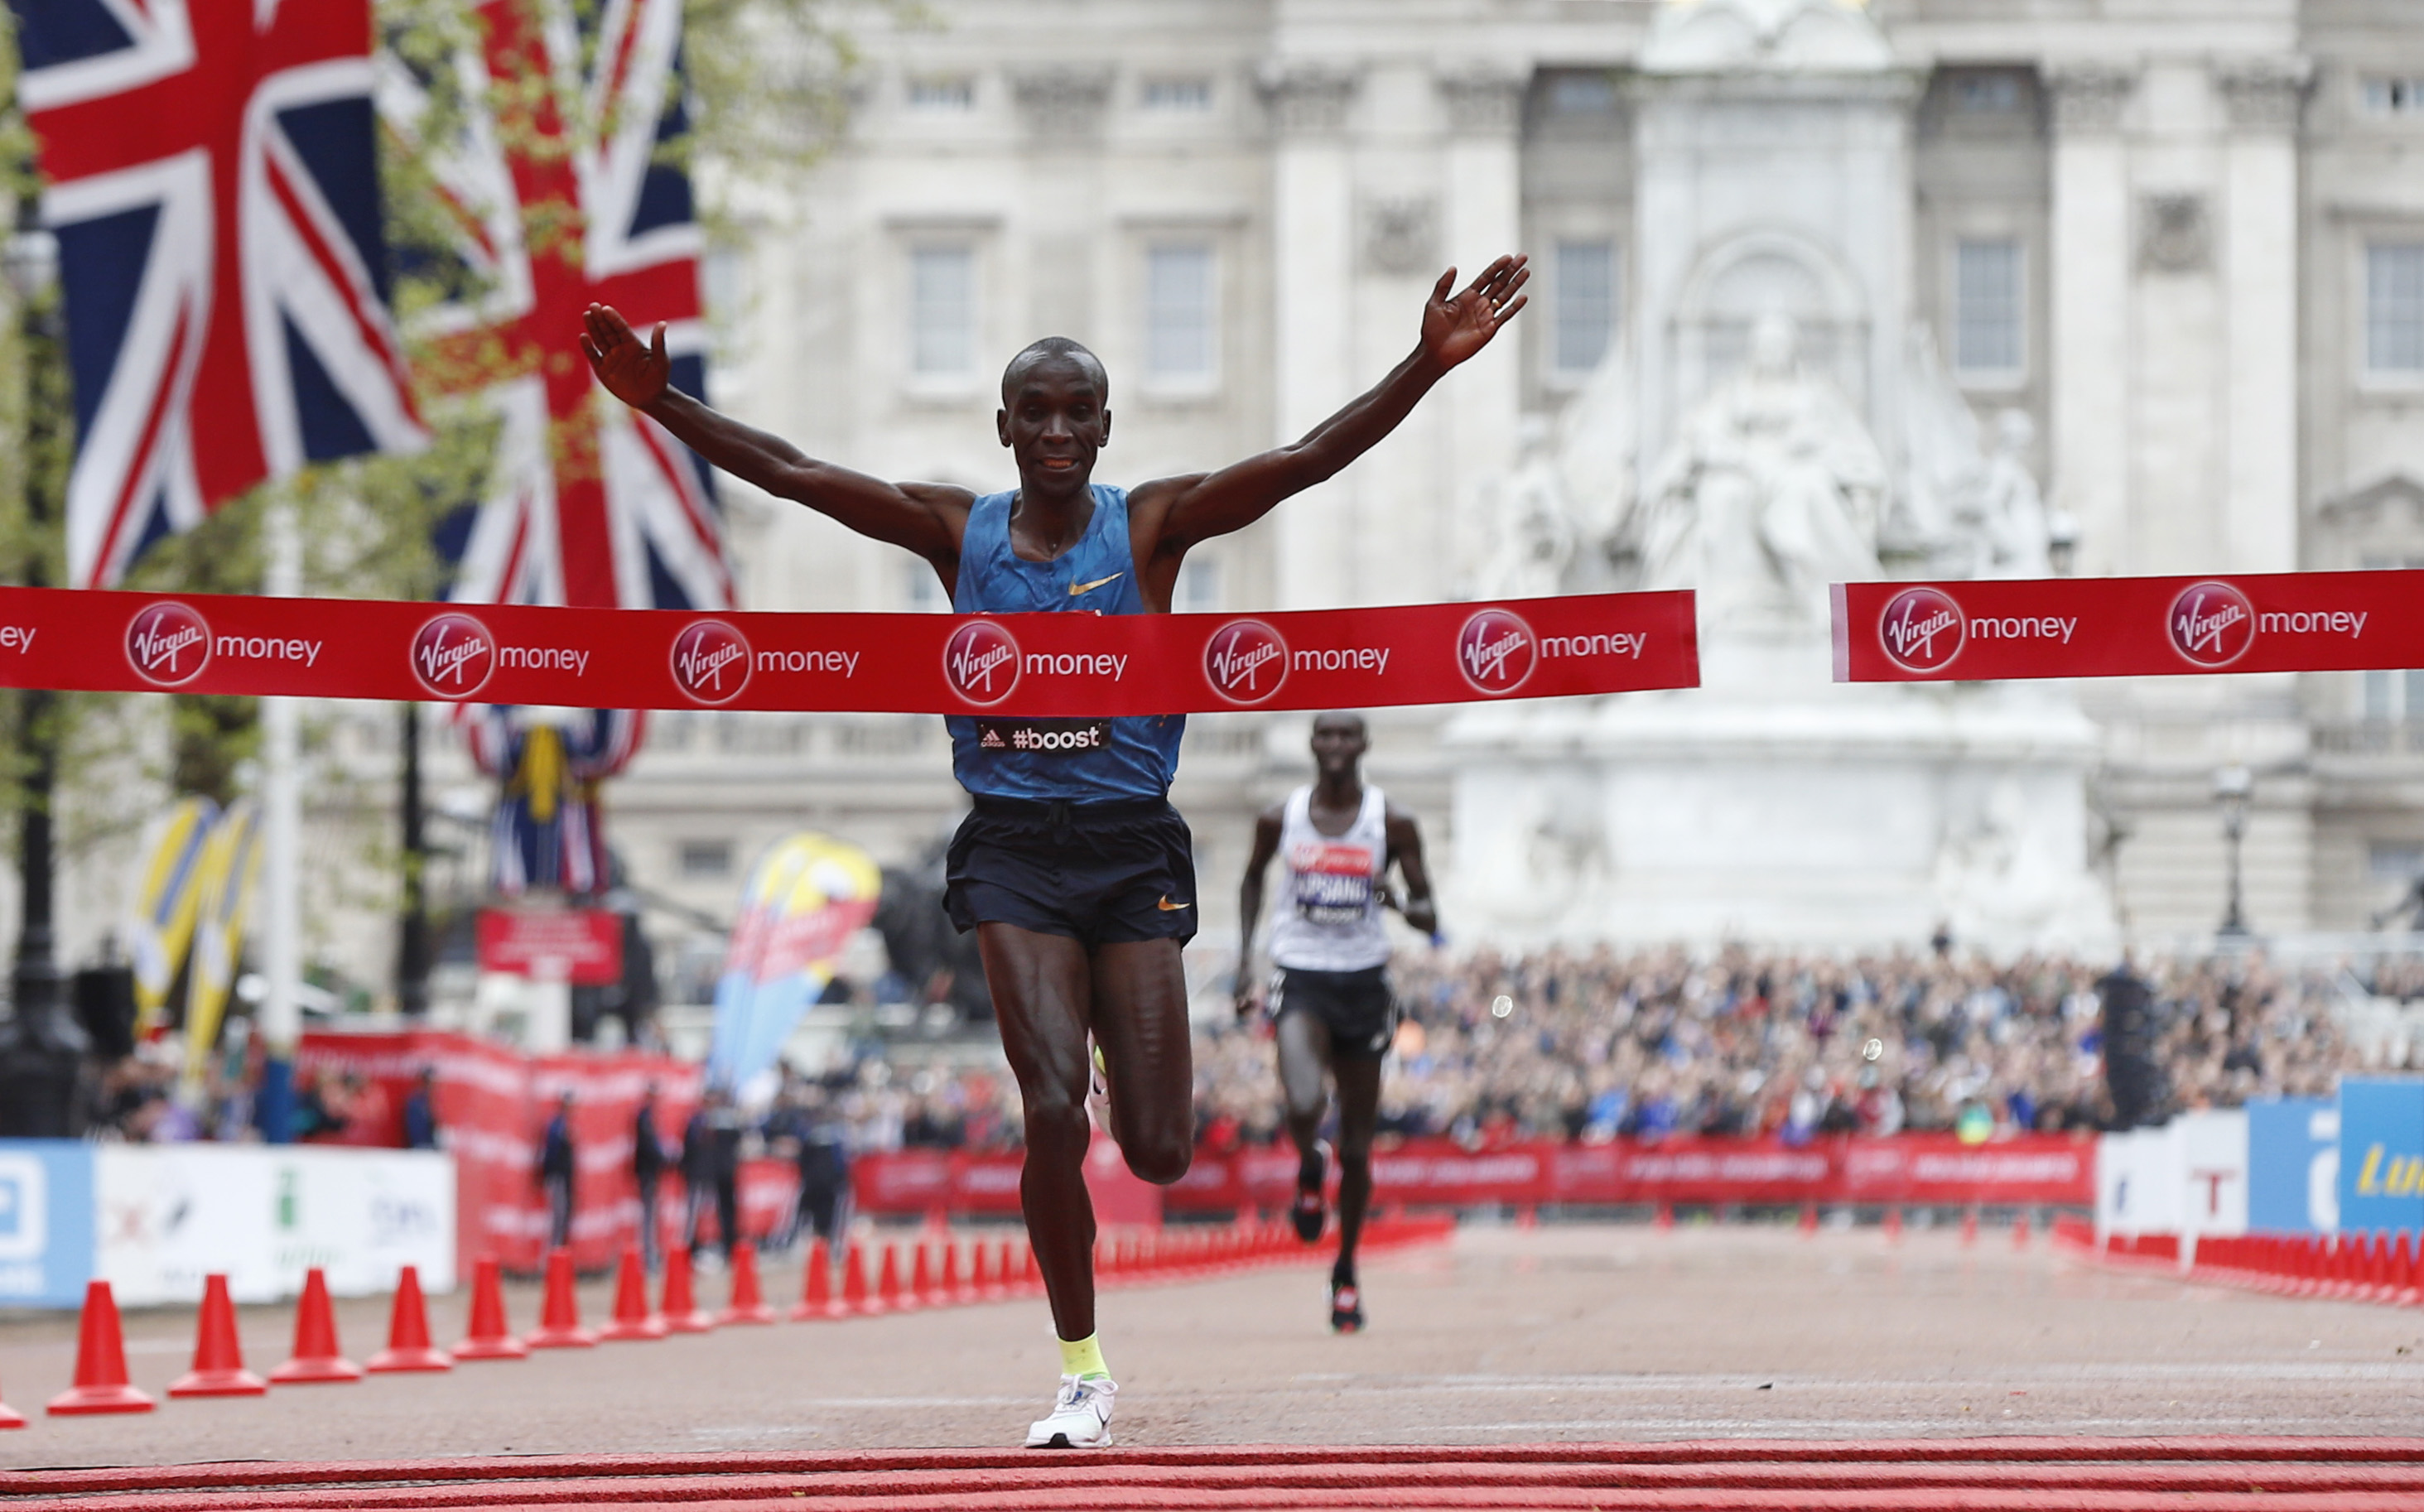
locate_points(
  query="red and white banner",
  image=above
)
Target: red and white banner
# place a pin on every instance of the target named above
(581, 945)
(1934, 1170)
(1034, 665)
(2128, 626)
(492, 1104)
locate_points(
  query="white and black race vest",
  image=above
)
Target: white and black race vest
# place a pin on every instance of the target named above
(1330, 918)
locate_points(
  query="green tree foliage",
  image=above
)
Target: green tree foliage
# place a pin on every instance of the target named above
(769, 82)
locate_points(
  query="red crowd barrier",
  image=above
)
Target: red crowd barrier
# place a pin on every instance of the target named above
(2128, 626)
(2051, 1171)
(2385, 1267)
(1050, 665)
(492, 1105)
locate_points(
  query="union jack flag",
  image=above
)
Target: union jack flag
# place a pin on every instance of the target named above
(211, 174)
(590, 505)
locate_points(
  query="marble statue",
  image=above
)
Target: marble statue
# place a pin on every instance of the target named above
(1966, 510)
(1770, 493)
(1534, 523)
(1556, 515)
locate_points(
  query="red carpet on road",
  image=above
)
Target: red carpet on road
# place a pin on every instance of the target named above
(1956, 1474)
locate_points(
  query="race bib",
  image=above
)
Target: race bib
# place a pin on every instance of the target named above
(1045, 736)
(1333, 882)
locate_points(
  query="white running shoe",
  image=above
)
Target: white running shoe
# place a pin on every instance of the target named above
(1081, 1415)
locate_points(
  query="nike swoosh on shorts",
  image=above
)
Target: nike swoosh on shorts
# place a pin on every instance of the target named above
(1169, 907)
(1076, 588)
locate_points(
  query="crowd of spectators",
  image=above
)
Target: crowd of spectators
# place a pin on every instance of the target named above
(1597, 1045)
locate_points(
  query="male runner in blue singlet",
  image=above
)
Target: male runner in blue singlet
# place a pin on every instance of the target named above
(1073, 868)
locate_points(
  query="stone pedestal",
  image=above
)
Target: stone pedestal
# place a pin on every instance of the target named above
(1768, 806)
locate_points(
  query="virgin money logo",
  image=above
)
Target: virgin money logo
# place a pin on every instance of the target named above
(168, 643)
(2211, 624)
(711, 661)
(1495, 651)
(1922, 629)
(1245, 661)
(981, 662)
(452, 656)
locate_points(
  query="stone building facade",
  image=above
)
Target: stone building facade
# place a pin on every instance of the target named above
(2184, 238)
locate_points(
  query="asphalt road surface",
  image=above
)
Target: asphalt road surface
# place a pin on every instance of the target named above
(1582, 1333)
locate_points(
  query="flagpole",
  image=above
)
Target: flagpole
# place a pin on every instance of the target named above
(281, 812)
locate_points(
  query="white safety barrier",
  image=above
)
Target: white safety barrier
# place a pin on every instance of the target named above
(170, 1214)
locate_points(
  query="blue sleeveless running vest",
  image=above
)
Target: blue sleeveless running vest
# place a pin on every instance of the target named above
(1098, 576)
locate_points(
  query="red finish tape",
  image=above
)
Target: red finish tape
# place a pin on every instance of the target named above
(1029, 665)
(2128, 626)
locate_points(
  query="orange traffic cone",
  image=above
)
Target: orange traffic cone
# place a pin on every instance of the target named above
(318, 1360)
(218, 1354)
(2020, 1230)
(1893, 1225)
(682, 1313)
(921, 1281)
(816, 1286)
(1003, 1278)
(1666, 1218)
(946, 1286)
(853, 1281)
(1808, 1219)
(747, 1306)
(887, 1284)
(1969, 1227)
(487, 1337)
(10, 1417)
(559, 1312)
(980, 1284)
(100, 1362)
(632, 1319)
(408, 1333)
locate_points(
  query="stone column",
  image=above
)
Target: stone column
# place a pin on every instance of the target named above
(2090, 283)
(1311, 263)
(2262, 99)
(1484, 109)
(1062, 110)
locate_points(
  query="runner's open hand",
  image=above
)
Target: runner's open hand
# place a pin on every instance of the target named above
(636, 374)
(1457, 325)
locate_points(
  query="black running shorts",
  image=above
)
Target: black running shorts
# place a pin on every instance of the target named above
(1096, 873)
(1359, 1008)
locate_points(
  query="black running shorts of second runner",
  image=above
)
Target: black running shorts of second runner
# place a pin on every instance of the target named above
(1357, 1008)
(1097, 873)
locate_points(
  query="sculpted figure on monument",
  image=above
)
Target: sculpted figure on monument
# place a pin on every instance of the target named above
(1770, 492)
(1535, 525)
(1968, 509)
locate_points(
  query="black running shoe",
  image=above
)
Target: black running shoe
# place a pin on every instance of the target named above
(1307, 1215)
(1345, 1308)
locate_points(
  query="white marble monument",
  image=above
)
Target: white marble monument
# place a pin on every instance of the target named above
(1772, 428)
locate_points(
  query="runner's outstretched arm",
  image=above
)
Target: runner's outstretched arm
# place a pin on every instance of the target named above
(1181, 511)
(926, 517)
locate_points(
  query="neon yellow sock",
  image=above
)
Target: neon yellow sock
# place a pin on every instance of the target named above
(1083, 1357)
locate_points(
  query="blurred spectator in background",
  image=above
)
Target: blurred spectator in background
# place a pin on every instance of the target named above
(421, 1112)
(824, 1160)
(710, 1159)
(648, 1170)
(556, 1166)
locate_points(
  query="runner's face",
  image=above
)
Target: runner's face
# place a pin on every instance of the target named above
(1054, 421)
(1338, 745)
